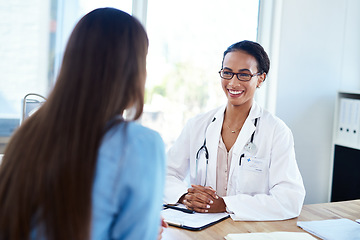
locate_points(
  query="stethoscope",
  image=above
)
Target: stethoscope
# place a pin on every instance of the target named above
(203, 148)
(249, 147)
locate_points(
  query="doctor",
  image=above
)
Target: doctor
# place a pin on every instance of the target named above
(239, 157)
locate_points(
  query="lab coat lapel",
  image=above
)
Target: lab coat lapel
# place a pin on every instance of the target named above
(212, 138)
(244, 136)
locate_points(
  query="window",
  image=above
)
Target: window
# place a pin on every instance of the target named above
(187, 41)
(68, 13)
(24, 28)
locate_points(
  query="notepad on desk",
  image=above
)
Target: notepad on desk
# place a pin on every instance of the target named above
(332, 229)
(270, 236)
(194, 221)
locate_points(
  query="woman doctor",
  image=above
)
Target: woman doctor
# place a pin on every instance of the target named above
(239, 157)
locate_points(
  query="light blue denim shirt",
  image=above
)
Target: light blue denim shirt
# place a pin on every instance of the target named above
(128, 185)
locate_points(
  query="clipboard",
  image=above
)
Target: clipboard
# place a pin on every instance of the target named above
(194, 221)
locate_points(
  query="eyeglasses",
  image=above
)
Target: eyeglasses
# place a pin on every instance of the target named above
(242, 76)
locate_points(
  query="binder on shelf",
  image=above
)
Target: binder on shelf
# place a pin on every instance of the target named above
(343, 118)
(348, 122)
(355, 123)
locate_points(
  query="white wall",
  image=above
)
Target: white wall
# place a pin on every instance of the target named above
(318, 54)
(350, 74)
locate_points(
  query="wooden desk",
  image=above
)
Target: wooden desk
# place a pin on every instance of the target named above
(322, 211)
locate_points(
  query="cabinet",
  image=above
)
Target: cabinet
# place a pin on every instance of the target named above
(345, 180)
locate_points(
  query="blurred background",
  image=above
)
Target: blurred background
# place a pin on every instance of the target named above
(314, 47)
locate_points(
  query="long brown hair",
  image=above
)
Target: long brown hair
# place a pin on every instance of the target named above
(47, 172)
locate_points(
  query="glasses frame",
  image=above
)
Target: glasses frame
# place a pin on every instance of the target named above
(238, 75)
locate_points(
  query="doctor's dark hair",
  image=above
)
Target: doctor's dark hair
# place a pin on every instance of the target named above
(255, 50)
(47, 172)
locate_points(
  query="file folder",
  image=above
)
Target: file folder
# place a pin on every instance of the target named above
(332, 229)
(270, 236)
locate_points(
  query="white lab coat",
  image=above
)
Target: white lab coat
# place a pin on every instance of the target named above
(268, 187)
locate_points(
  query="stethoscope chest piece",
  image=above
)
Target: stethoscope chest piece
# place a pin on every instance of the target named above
(251, 148)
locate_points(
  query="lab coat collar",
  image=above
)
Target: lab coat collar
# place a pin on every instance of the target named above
(255, 111)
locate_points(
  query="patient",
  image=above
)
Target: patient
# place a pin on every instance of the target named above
(76, 169)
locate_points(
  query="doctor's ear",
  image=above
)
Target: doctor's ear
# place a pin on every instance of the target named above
(261, 79)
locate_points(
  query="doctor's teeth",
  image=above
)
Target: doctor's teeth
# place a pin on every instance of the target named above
(235, 92)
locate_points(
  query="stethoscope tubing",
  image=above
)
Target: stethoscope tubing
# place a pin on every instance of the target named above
(204, 148)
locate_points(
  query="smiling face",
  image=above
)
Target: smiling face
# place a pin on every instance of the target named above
(240, 93)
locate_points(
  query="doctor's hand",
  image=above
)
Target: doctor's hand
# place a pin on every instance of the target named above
(203, 199)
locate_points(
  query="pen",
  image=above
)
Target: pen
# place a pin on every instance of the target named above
(185, 210)
(242, 155)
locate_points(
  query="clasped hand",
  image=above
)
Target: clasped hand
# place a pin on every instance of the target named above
(203, 199)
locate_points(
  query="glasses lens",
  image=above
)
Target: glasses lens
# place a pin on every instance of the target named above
(226, 74)
(244, 76)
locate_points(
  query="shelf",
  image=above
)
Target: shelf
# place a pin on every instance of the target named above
(345, 180)
(353, 146)
(346, 131)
